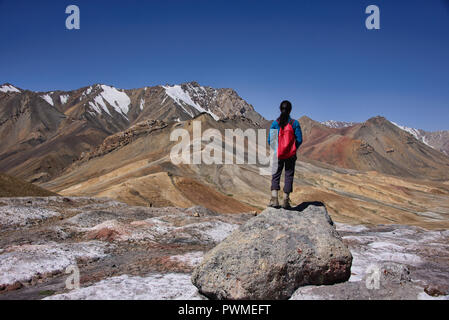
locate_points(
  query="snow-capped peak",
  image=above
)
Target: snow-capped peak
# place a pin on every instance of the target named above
(8, 88)
(117, 99)
(180, 96)
(414, 132)
(64, 98)
(47, 98)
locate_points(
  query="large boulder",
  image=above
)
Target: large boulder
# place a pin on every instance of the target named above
(273, 254)
(393, 283)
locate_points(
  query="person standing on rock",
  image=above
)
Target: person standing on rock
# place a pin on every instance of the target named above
(289, 137)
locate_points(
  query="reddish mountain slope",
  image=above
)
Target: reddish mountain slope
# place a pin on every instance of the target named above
(377, 145)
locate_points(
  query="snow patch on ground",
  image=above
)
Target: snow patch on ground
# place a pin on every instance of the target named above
(210, 231)
(359, 266)
(136, 230)
(377, 252)
(22, 263)
(155, 229)
(142, 103)
(180, 96)
(8, 88)
(21, 215)
(218, 231)
(191, 258)
(159, 227)
(425, 296)
(386, 246)
(171, 286)
(47, 98)
(349, 228)
(399, 245)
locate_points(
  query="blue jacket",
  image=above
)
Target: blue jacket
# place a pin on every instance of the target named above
(296, 129)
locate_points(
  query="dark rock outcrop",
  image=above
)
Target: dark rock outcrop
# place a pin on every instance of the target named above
(123, 138)
(273, 254)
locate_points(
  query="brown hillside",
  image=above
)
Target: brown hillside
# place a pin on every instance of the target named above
(42, 133)
(13, 187)
(135, 168)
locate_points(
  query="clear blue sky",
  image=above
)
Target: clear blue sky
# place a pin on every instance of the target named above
(318, 54)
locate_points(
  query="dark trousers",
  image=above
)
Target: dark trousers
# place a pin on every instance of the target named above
(289, 173)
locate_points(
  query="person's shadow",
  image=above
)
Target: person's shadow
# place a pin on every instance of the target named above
(304, 205)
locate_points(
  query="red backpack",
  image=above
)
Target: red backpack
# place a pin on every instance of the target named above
(286, 141)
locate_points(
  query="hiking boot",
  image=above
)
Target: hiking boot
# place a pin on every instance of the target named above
(286, 204)
(274, 202)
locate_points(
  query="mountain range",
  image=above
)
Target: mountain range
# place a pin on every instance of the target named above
(41, 133)
(136, 223)
(438, 140)
(102, 141)
(376, 144)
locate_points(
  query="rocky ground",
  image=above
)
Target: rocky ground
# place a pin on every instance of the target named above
(413, 263)
(130, 252)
